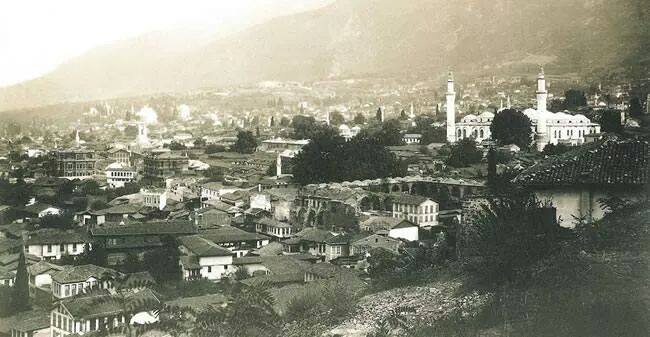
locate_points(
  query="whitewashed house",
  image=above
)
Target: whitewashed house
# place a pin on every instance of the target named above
(416, 209)
(202, 258)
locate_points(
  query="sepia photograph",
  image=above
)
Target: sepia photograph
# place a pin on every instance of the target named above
(325, 168)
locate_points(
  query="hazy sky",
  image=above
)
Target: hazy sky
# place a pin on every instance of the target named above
(38, 35)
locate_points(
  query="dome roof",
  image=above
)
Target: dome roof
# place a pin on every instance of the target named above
(531, 113)
(344, 127)
(486, 114)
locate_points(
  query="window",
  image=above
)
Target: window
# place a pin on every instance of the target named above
(209, 269)
(225, 267)
(49, 248)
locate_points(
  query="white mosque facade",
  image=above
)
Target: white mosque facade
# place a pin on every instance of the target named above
(553, 128)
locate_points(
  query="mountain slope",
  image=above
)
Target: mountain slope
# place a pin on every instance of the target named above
(356, 37)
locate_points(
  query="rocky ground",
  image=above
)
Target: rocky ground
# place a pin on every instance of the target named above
(425, 303)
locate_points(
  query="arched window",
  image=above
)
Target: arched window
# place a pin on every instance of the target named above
(464, 133)
(481, 133)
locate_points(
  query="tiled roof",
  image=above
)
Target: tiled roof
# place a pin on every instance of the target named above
(55, 236)
(408, 199)
(273, 223)
(200, 246)
(145, 228)
(313, 234)
(199, 303)
(607, 162)
(29, 321)
(101, 306)
(226, 234)
(41, 267)
(81, 273)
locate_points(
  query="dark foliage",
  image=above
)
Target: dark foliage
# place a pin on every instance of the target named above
(511, 127)
(245, 143)
(214, 148)
(20, 295)
(330, 158)
(636, 107)
(464, 153)
(574, 99)
(554, 150)
(610, 121)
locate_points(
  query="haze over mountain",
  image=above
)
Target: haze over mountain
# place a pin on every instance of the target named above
(358, 37)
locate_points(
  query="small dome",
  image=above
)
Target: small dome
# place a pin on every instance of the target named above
(343, 127)
(486, 114)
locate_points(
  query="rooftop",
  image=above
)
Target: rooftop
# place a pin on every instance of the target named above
(101, 305)
(145, 228)
(55, 236)
(202, 247)
(82, 273)
(607, 162)
(408, 199)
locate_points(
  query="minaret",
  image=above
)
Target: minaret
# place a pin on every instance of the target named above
(76, 138)
(451, 109)
(412, 112)
(508, 104)
(327, 117)
(541, 138)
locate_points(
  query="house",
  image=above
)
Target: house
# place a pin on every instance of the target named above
(33, 323)
(417, 209)
(118, 174)
(374, 241)
(137, 238)
(39, 210)
(154, 197)
(412, 138)
(40, 274)
(164, 165)
(75, 163)
(237, 198)
(396, 228)
(273, 228)
(74, 280)
(274, 270)
(577, 181)
(212, 216)
(84, 314)
(337, 246)
(119, 155)
(214, 191)
(310, 240)
(7, 278)
(238, 241)
(51, 244)
(260, 201)
(202, 258)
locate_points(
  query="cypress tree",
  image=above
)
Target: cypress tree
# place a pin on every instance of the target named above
(20, 295)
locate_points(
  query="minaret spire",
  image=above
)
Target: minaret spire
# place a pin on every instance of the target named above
(541, 138)
(451, 109)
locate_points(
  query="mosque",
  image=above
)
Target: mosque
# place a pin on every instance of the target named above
(548, 127)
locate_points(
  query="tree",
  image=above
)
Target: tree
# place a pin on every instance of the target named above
(359, 119)
(284, 121)
(131, 264)
(214, 173)
(162, 263)
(389, 134)
(636, 108)
(20, 295)
(464, 153)
(336, 118)
(328, 157)
(60, 221)
(379, 115)
(610, 121)
(402, 115)
(574, 99)
(131, 131)
(6, 308)
(174, 145)
(272, 122)
(214, 148)
(512, 233)
(511, 127)
(250, 313)
(199, 142)
(245, 142)
(554, 150)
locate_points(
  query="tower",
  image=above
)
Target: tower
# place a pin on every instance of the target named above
(541, 138)
(412, 112)
(76, 138)
(451, 109)
(508, 104)
(142, 137)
